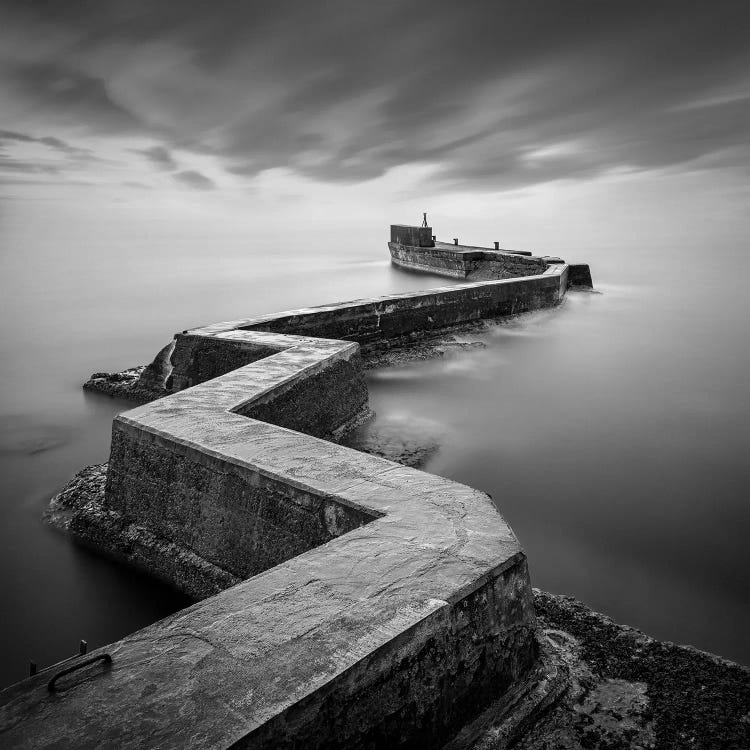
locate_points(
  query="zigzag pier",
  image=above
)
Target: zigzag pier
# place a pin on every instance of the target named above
(367, 591)
(346, 601)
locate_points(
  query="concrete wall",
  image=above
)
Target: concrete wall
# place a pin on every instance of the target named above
(418, 236)
(463, 262)
(580, 275)
(319, 403)
(199, 354)
(425, 683)
(232, 516)
(374, 321)
(200, 358)
(389, 605)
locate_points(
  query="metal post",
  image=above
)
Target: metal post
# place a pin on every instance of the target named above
(497, 246)
(455, 240)
(32, 668)
(83, 647)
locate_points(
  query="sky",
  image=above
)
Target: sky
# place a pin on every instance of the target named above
(299, 103)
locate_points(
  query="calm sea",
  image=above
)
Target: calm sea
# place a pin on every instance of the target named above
(613, 432)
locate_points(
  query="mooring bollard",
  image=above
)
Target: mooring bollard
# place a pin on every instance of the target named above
(83, 647)
(32, 668)
(497, 246)
(455, 240)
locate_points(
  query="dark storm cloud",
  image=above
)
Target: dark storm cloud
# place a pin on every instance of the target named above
(195, 180)
(491, 93)
(159, 157)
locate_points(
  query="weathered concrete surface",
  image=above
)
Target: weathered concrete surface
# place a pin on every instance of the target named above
(393, 633)
(410, 235)
(376, 324)
(412, 247)
(391, 605)
(465, 261)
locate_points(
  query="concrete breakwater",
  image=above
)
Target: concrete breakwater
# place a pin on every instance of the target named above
(417, 249)
(384, 605)
(407, 619)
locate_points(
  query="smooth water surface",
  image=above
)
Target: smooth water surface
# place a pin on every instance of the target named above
(612, 431)
(614, 438)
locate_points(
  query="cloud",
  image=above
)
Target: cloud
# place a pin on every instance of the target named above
(8, 164)
(50, 141)
(159, 157)
(9, 135)
(22, 153)
(194, 180)
(60, 94)
(491, 93)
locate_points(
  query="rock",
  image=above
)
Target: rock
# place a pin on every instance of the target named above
(433, 348)
(409, 441)
(629, 690)
(155, 375)
(87, 486)
(127, 384)
(79, 510)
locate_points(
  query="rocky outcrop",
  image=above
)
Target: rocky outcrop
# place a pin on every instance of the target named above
(79, 509)
(138, 384)
(410, 442)
(628, 690)
(126, 384)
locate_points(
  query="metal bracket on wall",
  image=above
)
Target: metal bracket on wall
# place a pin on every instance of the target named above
(106, 658)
